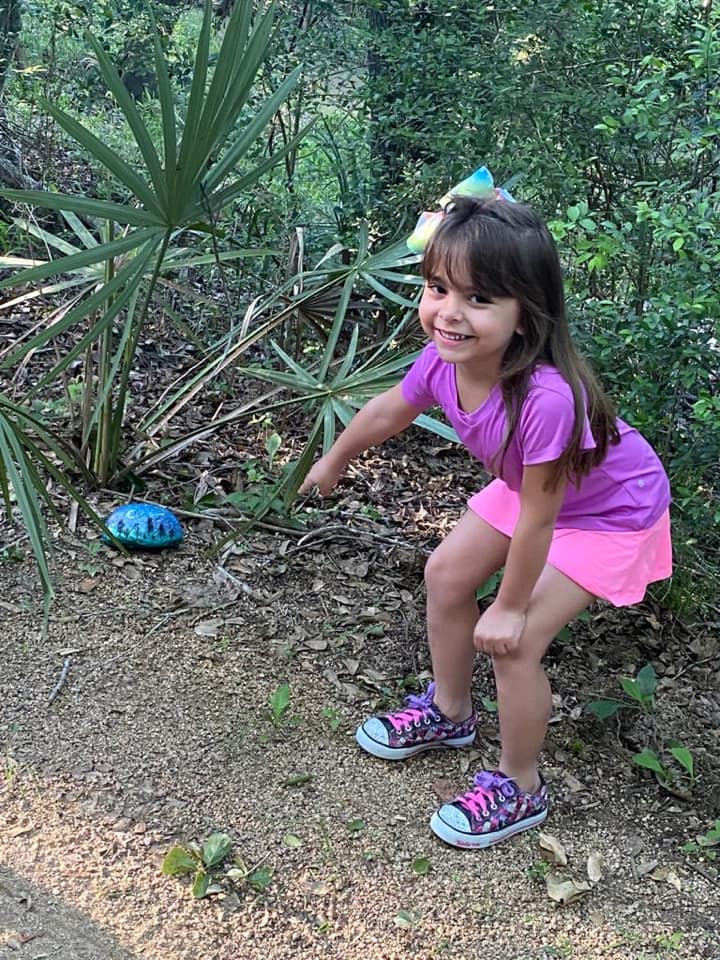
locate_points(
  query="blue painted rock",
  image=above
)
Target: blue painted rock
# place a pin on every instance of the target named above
(144, 525)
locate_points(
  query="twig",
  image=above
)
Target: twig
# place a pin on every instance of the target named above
(61, 681)
(703, 873)
(690, 666)
(341, 531)
(228, 521)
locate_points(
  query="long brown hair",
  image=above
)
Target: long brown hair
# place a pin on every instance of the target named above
(507, 251)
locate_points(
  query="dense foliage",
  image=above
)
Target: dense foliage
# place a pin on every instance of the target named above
(604, 115)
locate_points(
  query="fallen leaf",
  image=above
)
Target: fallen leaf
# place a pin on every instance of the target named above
(444, 790)
(208, 628)
(647, 866)
(595, 867)
(11, 607)
(572, 783)
(316, 644)
(85, 586)
(635, 847)
(374, 676)
(552, 850)
(27, 937)
(565, 890)
(17, 831)
(320, 889)
(352, 666)
(667, 875)
(705, 647)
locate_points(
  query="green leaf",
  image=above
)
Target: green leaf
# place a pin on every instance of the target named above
(221, 198)
(356, 826)
(649, 759)
(107, 156)
(290, 840)
(103, 209)
(647, 680)
(348, 359)
(632, 689)
(432, 425)
(201, 884)
(297, 780)
(178, 861)
(602, 709)
(280, 701)
(389, 294)
(421, 866)
(167, 109)
(685, 758)
(139, 130)
(188, 165)
(76, 261)
(242, 144)
(272, 445)
(404, 919)
(18, 473)
(216, 848)
(260, 879)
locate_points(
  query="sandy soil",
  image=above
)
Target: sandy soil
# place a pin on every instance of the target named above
(162, 733)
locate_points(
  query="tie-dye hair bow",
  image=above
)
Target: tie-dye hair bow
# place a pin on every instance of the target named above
(479, 184)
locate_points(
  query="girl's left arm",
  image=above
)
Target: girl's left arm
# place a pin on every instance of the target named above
(500, 628)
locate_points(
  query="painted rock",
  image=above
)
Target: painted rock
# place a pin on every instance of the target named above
(144, 525)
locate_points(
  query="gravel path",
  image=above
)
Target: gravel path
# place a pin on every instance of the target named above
(162, 734)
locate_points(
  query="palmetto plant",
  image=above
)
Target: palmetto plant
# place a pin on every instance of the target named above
(185, 190)
(338, 383)
(180, 189)
(28, 452)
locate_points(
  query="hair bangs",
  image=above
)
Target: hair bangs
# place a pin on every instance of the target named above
(470, 255)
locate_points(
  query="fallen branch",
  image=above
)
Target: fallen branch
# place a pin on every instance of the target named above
(61, 681)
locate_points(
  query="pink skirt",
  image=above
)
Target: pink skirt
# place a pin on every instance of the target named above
(613, 566)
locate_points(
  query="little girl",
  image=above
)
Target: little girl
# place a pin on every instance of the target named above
(578, 509)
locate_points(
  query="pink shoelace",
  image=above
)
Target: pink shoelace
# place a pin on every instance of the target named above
(418, 709)
(483, 796)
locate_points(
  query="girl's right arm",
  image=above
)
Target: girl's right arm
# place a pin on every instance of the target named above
(381, 418)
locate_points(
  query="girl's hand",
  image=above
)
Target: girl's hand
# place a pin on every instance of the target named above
(324, 474)
(498, 631)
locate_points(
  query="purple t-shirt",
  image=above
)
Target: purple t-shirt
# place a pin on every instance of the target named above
(628, 491)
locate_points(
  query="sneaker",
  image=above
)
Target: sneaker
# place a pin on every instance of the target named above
(420, 726)
(492, 811)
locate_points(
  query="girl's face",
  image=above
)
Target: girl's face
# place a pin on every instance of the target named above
(466, 328)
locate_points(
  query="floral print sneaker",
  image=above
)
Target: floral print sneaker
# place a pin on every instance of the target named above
(492, 811)
(420, 726)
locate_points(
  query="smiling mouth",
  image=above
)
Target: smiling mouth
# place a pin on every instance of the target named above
(457, 337)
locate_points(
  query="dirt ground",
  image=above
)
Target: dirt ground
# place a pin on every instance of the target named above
(163, 733)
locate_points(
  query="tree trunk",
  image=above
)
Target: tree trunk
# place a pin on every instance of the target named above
(9, 36)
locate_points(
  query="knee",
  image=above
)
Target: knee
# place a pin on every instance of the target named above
(444, 580)
(510, 667)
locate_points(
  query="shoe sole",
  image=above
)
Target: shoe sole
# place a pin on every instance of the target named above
(479, 841)
(385, 752)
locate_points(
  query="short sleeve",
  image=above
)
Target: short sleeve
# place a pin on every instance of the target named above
(416, 385)
(546, 425)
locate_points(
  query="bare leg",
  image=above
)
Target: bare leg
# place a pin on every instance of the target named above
(470, 554)
(524, 699)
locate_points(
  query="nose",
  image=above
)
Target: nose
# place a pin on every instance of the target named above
(452, 307)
